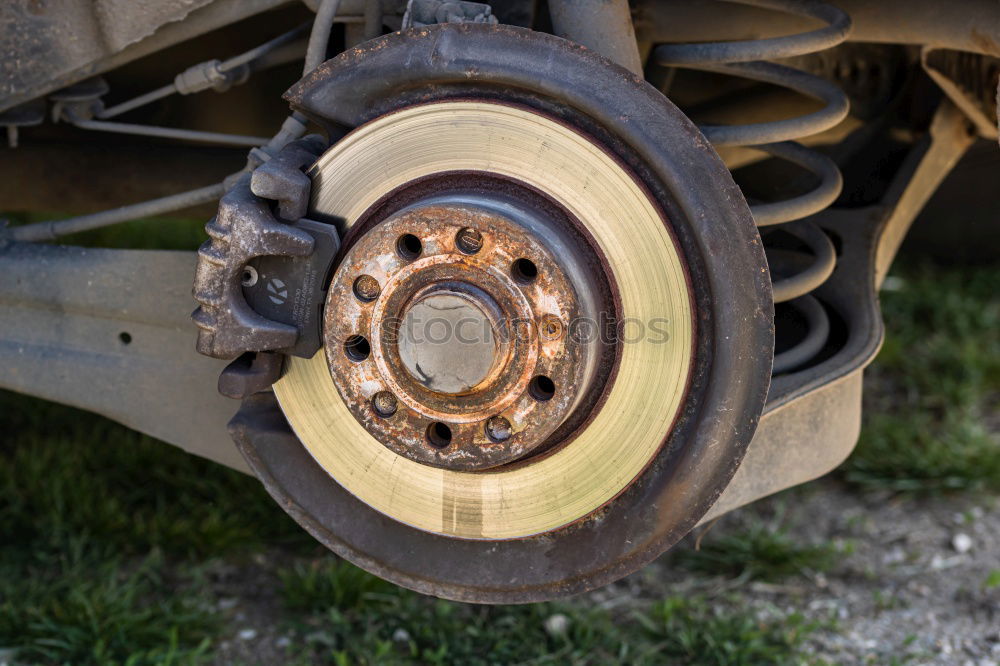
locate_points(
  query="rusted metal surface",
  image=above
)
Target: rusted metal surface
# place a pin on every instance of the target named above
(461, 334)
(970, 80)
(590, 268)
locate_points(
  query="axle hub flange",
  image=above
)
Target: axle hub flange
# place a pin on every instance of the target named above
(462, 314)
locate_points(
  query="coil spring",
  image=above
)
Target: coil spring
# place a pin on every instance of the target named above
(746, 59)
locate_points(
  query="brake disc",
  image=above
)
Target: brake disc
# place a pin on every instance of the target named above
(616, 287)
(382, 459)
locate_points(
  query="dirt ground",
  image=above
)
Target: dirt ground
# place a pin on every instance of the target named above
(911, 586)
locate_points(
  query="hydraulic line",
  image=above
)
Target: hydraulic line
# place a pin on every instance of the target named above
(53, 229)
(222, 68)
(181, 134)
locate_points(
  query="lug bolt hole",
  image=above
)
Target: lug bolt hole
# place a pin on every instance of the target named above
(409, 247)
(438, 435)
(524, 271)
(384, 404)
(468, 240)
(366, 288)
(249, 276)
(542, 388)
(357, 348)
(498, 429)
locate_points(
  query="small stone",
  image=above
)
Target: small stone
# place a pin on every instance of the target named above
(401, 636)
(557, 625)
(893, 283)
(247, 634)
(283, 642)
(895, 556)
(227, 603)
(961, 542)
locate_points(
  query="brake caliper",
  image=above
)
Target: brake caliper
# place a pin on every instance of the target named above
(262, 274)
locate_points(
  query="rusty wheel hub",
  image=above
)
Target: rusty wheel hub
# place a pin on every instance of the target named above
(458, 330)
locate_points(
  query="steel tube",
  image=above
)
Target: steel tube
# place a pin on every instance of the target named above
(136, 102)
(319, 38)
(55, 228)
(604, 26)
(173, 133)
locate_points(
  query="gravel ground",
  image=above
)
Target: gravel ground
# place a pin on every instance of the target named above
(910, 587)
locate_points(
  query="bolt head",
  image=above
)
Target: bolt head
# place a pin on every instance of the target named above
(367, 288)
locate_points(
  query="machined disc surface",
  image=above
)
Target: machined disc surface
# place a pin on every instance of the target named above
(643, 401)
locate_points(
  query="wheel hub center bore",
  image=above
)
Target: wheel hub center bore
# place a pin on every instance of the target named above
(447, 331)
(447, 341)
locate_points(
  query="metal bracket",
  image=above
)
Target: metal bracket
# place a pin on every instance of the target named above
(428, 12)
(969, 80)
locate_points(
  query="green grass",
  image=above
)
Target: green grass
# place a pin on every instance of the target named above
(65, 473)
(105, 530)
(935, 385)
(353, 618)
(691, 631)
(757, 551)
(350, 617)
(157, 233)
(85, 606)
(96, 521)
